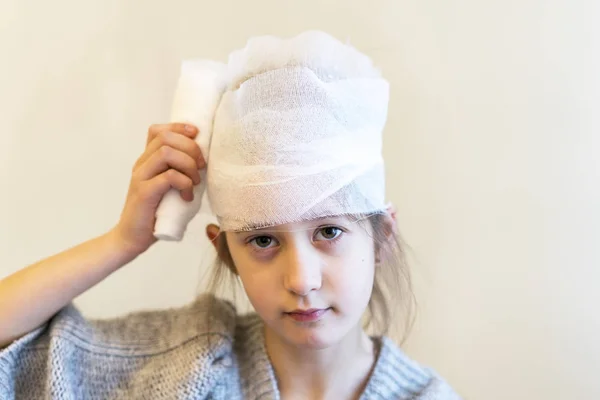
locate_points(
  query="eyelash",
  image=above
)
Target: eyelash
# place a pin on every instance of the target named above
(328, 242)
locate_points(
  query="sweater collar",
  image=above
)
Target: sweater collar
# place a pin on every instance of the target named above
(256, 371)
(394, 375)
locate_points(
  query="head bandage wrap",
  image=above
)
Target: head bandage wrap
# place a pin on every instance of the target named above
(291, 130)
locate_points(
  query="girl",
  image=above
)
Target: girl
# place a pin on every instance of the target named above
(295, 178)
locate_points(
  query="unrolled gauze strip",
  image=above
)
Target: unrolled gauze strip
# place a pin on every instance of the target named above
(199, 90)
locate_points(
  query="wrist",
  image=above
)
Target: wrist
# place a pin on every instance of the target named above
(120, 247)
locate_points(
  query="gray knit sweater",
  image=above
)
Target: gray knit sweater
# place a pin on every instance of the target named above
(201, 351)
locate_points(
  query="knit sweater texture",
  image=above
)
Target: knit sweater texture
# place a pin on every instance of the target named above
(204, 350)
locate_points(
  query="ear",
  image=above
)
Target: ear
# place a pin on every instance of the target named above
(391, 223)
(389, 229)
(212, 232)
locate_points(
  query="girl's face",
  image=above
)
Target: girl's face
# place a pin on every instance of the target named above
(309, 281)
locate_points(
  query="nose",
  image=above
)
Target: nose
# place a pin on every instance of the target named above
(303, 269)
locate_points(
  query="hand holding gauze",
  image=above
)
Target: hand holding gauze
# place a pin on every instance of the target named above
(199, 90)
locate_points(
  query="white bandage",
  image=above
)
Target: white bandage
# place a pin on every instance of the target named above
(296, 135)
(199, 90)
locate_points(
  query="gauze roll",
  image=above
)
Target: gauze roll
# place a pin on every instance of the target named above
(199, 90)
(296, 135)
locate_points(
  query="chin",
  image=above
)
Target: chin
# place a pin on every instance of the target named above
(312, 342)
(313, 337)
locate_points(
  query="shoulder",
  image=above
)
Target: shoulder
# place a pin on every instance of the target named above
(132, 350)
(148, 331)
(207, 319)
(398, 376)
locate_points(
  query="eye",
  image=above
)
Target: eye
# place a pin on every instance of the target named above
(328, 233)
(262, 242)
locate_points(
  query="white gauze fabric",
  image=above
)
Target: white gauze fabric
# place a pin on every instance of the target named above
(199, 90)
(296, 134)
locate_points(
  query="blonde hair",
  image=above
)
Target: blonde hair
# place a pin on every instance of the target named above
(391, 308)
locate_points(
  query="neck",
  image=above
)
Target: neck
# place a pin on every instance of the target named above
(339, 371)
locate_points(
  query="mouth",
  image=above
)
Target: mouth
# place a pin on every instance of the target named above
(310, 315)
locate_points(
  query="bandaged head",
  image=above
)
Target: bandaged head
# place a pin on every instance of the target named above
(291, 130)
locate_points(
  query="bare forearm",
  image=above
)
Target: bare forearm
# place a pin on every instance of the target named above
(31, 296)
(172, 160)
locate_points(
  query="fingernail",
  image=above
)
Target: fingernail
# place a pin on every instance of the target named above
(190, 128)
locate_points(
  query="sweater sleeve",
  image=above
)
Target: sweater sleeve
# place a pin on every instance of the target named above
(159, 354)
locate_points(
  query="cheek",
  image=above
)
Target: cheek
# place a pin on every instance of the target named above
(352, 280)
(258, 298)
(362, 272)
(259, 286)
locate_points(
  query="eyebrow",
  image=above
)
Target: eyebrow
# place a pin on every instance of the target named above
(252, 228)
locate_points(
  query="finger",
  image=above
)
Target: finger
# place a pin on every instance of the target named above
(154, 189)
(176, 141)
(168, 158)
(185, 129)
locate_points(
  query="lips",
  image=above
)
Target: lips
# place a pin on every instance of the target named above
(310, 315)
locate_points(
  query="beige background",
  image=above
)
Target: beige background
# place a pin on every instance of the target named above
(492, 152)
